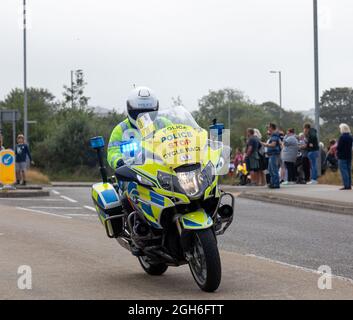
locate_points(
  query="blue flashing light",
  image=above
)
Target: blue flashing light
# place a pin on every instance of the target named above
(130, 147)
(97, 142)
(219, 127)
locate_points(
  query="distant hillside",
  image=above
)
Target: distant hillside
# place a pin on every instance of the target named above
(100, 111)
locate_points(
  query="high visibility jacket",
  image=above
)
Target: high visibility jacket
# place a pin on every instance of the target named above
(118, 137)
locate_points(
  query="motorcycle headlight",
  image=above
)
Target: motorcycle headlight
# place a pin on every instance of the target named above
(191, 182)
(144, 181)
(165, 180)
(209, 172)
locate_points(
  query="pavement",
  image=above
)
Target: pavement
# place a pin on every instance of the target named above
(316, 197)
(67, 184)
(270, 252)
(23, 193)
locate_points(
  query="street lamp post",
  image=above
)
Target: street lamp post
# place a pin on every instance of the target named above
(317, 80)
(25, 100)
(229, 116)
(280, 92)
(316, 59)
(72, 88)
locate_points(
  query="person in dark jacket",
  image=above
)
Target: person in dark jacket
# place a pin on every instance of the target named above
(273, 151)
(252, 156)
(312, 148)
(344, 155)
(22, 156)
(331, 156)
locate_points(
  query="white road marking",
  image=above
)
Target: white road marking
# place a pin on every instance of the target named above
(31, 199)
(298, 267)
(44, 212)
(58, 208)
(90, 208)
(56, 192)
(79, 214)
(69, 199)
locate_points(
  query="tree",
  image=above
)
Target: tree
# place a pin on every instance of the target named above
(66, 147)
(216, 103)
(74, 96)
(244, 114)
(67, 144)
(274, 110)
(337, 106)
(41, 108)
(176, 102)
(285, 119)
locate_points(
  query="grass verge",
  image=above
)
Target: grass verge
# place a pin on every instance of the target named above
(36, 177)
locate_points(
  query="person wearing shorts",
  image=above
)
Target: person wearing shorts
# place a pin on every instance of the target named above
(22, 154)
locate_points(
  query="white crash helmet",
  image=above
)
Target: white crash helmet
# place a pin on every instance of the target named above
(141, 100)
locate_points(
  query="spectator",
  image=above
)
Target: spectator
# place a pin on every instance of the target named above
(273, 152)
(262, 160)
(1, 143)
(252, 156)
(331, 156)
(289, 155)
(238, 158)
(323, 158)
(305, 162)
(282, 170)
(313, 151)
(267, 173)
(22, 152)
(344, 154)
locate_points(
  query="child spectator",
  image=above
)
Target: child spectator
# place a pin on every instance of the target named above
(22, 153)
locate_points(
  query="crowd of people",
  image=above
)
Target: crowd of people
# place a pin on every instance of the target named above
(288, 157)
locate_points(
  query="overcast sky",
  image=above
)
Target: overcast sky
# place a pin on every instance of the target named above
(178, 47)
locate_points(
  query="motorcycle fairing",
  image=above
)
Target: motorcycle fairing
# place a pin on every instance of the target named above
(105, 198)
(196, 220)
(149, 202)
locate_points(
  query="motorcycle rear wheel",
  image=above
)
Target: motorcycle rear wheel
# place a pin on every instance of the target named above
(205, 264)
(152, 269)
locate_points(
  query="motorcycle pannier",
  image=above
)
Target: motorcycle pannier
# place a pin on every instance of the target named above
(109, 208)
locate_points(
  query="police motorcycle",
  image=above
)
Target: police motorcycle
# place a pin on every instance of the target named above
(164, 205)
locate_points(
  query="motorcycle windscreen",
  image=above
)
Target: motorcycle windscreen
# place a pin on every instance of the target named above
(178, 145)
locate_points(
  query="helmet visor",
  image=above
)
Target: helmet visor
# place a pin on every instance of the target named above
(134, 113)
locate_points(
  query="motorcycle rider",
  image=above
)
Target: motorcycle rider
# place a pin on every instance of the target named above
(140, 100)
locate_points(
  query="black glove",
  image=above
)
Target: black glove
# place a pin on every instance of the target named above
(120, 163)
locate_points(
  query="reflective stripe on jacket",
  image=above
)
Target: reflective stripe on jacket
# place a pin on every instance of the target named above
(116, 138)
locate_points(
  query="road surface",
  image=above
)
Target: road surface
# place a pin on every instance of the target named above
(271, 252)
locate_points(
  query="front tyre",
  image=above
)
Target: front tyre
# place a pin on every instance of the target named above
(204, 260)
(152, 269)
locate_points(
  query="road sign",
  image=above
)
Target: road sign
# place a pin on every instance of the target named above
(7, 167)
(9, 115)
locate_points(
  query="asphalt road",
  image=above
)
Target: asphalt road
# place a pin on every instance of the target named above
(270, 252)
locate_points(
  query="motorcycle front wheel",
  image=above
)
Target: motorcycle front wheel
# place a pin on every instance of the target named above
(152, 269)
(204, 261)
